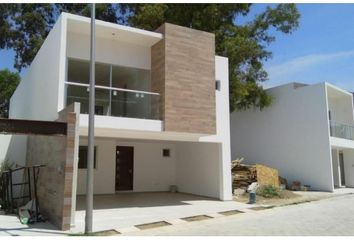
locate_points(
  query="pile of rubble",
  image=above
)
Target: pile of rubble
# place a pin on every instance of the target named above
(243, 175)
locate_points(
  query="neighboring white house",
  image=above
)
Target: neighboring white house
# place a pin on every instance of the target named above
(161, 101)
(307, 134)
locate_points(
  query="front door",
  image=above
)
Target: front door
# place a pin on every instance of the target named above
(341, 167)
(124, 168)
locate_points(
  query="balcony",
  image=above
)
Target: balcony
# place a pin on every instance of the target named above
(340, 130)
(116, 102)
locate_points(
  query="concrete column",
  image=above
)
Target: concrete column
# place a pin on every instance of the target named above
(225, 177)
(336, 169)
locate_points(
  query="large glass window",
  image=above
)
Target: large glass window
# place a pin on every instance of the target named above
(78, 71)
(102, 74)
(131, 78)
(120, 91)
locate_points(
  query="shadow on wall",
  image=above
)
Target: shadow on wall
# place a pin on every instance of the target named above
(143, 199)
(13, 149)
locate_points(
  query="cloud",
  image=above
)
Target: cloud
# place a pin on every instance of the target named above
(304, 62)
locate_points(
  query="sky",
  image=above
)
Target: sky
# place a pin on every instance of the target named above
(321, 49)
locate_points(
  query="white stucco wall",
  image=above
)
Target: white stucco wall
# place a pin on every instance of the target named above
(192, 166)
(222, 128)
(152, 172)
(197, 168)
(109, 51)
(36, 97)
(4, 145)
(340, 103)
(292, 135)
(13, 148)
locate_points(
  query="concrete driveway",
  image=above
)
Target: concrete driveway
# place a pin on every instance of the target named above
(328, 217)
(126, 210)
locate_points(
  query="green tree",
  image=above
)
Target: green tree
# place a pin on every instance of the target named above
(8, 83)
(25, 26)
(244, 44)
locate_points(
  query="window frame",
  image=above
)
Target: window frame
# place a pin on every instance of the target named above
(94, 159)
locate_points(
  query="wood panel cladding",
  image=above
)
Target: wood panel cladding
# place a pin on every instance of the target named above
(183, 72)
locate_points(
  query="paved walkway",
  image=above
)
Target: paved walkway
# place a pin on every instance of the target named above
(333, 217)
(10, 226)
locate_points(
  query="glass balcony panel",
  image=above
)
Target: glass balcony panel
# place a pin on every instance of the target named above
(135, 105)
(118, 103)
(340, 130)
(102, 106)
(78, 94)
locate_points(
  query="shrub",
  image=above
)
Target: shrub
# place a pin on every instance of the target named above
(268, 191)
(5, 165)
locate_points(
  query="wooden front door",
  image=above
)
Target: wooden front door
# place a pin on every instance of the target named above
(124, 168)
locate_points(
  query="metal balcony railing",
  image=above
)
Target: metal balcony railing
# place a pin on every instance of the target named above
(340, 130)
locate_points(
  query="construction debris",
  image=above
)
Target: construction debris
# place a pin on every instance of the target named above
(239, 191)
(244, 175)
(296, 186)
(283, 181)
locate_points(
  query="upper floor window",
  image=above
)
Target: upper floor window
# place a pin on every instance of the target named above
(119, 91)
(109, 75)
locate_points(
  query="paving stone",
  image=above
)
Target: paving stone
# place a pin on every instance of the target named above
(328, 217)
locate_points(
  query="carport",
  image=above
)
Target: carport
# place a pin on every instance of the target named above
(126, 211)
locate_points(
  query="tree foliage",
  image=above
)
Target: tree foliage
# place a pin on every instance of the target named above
(25, 26)
(8, 83)
(245, 44)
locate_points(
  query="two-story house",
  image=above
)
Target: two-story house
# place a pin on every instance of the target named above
(161, 110)
(307, 134)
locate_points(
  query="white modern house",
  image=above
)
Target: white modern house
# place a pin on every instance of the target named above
(162, 115)
(307, 134)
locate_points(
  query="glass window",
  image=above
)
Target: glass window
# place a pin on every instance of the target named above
(78, 71)
(102, 74)
(83, 157)
(112, 102)
(131, 78)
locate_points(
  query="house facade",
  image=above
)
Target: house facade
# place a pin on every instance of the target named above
(307, 134)
(161, 110)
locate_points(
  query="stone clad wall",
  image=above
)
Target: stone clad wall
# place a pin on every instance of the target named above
(51, 152)
(55, 180)
(183, 72)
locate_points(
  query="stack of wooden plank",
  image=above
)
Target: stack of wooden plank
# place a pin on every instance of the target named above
(243, 175)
